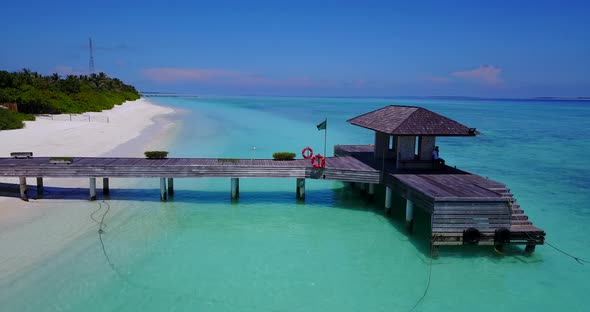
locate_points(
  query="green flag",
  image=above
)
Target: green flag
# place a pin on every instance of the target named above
(323, 124)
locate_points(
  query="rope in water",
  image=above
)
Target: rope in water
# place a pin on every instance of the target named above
(429, 276)
(101, 232)
(578, 259)
(102, 225)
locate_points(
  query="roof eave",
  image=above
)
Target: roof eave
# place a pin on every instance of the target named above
(419, 134)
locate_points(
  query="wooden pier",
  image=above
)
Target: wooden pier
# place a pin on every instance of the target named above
(465, 208)
(345, 169)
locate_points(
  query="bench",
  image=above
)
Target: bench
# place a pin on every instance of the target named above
(21, 155)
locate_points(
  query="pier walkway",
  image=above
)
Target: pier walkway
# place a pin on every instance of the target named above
(345, 169)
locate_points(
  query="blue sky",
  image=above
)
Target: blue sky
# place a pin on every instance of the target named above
(316, 48)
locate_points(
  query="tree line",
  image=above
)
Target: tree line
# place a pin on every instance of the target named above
(53, 94)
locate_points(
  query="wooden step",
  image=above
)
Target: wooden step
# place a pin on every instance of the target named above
(526, 228)
(521, 222)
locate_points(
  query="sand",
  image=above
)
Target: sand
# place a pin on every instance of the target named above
(43, 227)
(127, 130)
(81, 137)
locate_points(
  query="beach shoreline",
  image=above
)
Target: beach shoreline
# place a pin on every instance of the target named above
(132, 128)
(127, 130)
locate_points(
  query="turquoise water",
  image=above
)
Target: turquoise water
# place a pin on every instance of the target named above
(335, 251)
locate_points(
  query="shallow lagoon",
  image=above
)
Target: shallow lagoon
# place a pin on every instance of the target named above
(335, 251)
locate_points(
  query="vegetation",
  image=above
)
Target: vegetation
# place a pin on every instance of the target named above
(156, 154)
(13, 120)
(61, 160)
(38, 94)
(283, 156)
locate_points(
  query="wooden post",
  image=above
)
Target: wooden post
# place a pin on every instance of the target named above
(92, 188)
(105, 186)
(529, 249)
(170, 186)
(363, 187)
(388, 194)
(409, 215)
(23, 188)
(163, 196)
(39, 187)
(301, 188)
(371, 191)
(235, 188)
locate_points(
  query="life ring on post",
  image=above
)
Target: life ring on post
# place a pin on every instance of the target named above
(305, 153)
(318, 161)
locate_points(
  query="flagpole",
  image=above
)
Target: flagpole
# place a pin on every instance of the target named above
(325, 136)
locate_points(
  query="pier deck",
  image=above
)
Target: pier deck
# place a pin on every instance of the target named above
(456, 200)
(347, 169)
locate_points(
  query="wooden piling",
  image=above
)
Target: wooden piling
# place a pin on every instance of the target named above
(409, 215)
(92, 188)
(170, 186)
(388, 195)
(235, 188)
(529, 248)
(163, 196)
(371, 192)
(23, 188)
(39, 187)
(105, 186)
(301, 188)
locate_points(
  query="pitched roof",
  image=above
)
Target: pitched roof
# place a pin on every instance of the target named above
(411, 120)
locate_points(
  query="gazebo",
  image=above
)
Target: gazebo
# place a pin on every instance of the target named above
(407, 135)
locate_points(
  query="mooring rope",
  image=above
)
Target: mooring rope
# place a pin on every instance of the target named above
(429, 275)
(94, 213)
(102, 225)
(578, 259)
(101, 232)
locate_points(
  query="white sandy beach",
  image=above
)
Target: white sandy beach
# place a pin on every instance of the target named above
(132, 128)
(94, 136)
(62, 137)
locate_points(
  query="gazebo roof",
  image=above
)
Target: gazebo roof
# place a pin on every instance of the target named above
(411, 120)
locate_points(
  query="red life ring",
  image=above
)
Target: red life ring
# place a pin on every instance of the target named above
(320, 163)
(307, 155)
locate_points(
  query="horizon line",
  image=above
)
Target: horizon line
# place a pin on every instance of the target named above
(457, 97)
